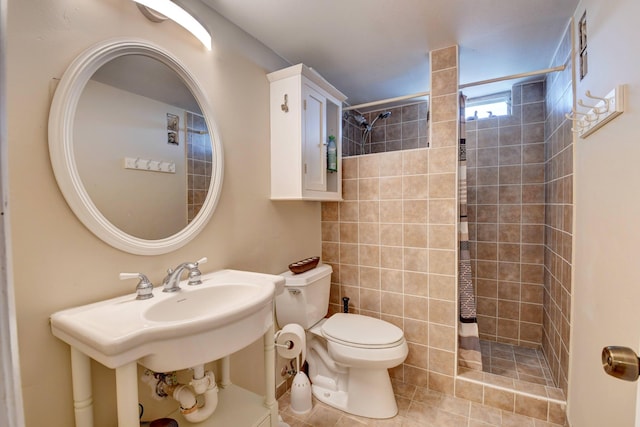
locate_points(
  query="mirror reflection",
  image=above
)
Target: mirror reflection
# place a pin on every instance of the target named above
(142, 147)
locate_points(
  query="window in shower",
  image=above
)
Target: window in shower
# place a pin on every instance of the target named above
(482, 107)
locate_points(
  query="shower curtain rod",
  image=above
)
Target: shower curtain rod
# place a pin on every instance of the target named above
(462, 86)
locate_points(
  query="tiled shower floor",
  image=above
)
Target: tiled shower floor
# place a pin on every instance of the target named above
(520, 363)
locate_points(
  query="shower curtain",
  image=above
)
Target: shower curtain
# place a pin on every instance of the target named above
(469, 355)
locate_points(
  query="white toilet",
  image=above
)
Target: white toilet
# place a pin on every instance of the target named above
(348, 354)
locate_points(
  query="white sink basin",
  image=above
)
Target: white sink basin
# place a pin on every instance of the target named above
(171, 331)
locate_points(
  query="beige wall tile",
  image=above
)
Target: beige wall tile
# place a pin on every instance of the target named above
(330, 231)
(418, 356)
(391, 164)
(442, 237)
(329, 211)
(349, 211)
(443, 160)
(444, 81)
(391, 280)
(368, 166)
(350, 189)
(444, 58)
(348, 253)
(415, 186)
(444, 108)
(392, 303)
(349, 275)
(442, 186)
(414, 211)
(416, 259)
(370, 277)
(391, 257)
(349, 168)
(369, 189)
(441, 361)
(369, 211)
(416, 283)
(416, 331)
(442, 211)
(416, 307)
(442, 312)
(445, 133)
(391, 211)
(391, 187)
(369, 255)
(349, 232)
(391, 234)
(442, 287)
(415, 235)
(442, 337)
(369, 233)
(370, 300)
(442, 262)
(415, 162)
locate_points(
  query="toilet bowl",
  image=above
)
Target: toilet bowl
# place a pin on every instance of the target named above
(348, 354)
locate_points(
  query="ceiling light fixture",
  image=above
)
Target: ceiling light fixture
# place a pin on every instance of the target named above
(159, 10)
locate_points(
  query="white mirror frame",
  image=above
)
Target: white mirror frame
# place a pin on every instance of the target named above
(61, 118)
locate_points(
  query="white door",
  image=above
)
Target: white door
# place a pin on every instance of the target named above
(314, 141)
(606, 285)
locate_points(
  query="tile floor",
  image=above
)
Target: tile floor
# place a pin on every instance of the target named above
(418, 407)
(520, 363)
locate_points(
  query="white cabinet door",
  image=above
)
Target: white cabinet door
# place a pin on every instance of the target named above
(314, 149)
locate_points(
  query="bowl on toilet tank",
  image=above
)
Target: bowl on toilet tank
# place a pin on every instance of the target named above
(305, 298)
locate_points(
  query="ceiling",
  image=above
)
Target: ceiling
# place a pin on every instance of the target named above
(379, 49)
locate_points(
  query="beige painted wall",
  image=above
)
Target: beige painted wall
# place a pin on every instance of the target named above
(607, 209)
(57, 262)
(112, 124)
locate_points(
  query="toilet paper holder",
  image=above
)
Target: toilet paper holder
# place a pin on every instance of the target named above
(621, 362)
(287, 344)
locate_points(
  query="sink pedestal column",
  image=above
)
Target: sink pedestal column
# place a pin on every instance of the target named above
(270, 374)
(82, 393)
(127, 395)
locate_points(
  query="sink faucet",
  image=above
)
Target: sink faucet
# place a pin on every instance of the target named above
(144, 289)
(171, 282)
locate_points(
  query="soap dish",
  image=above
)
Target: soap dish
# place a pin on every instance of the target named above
(304, 265)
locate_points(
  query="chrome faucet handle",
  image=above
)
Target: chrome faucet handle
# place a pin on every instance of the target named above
(194, 273)
(144, 289)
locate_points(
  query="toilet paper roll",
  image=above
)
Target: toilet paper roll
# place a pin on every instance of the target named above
(291, 342)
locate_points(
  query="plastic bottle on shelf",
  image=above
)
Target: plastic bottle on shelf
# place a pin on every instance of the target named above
(332, 155)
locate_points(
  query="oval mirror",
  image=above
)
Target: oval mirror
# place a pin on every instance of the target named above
(134, 148)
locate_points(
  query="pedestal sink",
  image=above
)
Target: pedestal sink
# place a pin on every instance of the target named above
(171, 331)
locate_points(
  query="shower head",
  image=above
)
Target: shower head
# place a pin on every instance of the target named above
(384, 115)
(359, 119)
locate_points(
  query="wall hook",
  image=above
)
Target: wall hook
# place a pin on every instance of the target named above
(596, 110)
(285, 106)
(588, 95)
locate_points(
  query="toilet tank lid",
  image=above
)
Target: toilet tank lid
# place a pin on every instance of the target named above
(309, 276)
(362, 331)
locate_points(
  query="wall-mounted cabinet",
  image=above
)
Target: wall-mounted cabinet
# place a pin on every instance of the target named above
(305, 111)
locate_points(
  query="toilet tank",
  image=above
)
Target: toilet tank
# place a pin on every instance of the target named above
(305, 298)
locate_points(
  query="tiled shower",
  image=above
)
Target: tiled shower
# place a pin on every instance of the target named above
(392, 244)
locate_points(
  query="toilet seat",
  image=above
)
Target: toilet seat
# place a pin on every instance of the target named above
(354, 330)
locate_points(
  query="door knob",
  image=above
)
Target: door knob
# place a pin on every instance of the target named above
(621, 362)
